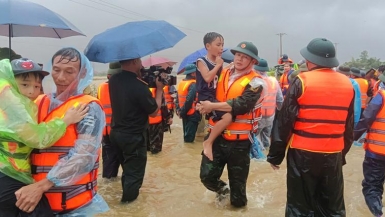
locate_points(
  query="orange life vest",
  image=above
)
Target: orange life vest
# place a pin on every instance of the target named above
(323, 109)
(364, 85)
(183, 92)
(158, 118)
(104, 97)
(284, 81)
(375, 138)
(270, 101)
(69, 197)
(244, 124)
(168, 98)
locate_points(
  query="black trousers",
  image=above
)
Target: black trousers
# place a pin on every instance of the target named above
(373, 184)
(132, 155)
(8, 187)
(236, 155)
(315, 185)
(110, 159)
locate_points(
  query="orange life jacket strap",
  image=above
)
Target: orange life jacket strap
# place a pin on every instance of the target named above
(45, 169)
(69, 192)
(316, 135)
(323, 107)
(375, 142)
(320, 121)
(376, 131)
(53, 149)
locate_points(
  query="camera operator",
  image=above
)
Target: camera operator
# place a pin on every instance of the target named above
(132, 103)
(162, 120)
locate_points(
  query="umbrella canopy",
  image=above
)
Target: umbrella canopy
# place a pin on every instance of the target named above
(158, 61)
(132, 40)
(20, 18)
(227, 57)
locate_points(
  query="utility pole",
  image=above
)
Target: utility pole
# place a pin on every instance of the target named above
(335, 45)
(280, 42)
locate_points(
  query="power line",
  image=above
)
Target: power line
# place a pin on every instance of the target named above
(116, 7)
(101, 9)
(139, 14)
(125, 9)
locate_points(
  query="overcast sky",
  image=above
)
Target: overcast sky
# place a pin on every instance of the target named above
(356, 25)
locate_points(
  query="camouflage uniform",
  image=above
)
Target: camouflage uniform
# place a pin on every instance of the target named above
(156, 131)
(233, 153)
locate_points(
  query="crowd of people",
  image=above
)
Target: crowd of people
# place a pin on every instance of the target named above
(311, 111)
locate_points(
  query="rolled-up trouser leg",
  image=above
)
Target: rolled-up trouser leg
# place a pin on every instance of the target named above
(373, 184)
(238, 164)
(211, 171)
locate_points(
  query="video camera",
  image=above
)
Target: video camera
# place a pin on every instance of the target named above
(154, 72)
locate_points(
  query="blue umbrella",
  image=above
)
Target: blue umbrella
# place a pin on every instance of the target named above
(227, 56)
(132, 40)
(20, 18)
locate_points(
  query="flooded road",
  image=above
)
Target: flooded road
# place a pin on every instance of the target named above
(172, 186)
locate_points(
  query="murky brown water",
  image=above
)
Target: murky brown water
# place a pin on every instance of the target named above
(172, 186)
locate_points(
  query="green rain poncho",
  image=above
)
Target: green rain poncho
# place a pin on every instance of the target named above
(19, 131)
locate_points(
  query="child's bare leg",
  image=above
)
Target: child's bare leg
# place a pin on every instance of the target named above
(217, 130)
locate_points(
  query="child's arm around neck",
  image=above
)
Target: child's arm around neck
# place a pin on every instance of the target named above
(207, 75)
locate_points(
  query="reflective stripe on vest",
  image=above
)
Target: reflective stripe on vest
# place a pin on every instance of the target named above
(182, 95)
(61, 198)
(104, 97)
(245, 124)
(375, 138)
(364, 85)
(168, 98)
(158, 118)
(270, 100)
(323, 109)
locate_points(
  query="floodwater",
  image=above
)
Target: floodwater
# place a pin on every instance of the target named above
(172, 186)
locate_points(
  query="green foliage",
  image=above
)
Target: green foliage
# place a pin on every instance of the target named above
(365, 62)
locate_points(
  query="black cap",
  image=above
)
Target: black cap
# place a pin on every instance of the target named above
(25, 65)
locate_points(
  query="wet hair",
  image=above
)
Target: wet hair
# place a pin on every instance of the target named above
(210, 37)
(381, 68)
(37, 75)
(69, 54)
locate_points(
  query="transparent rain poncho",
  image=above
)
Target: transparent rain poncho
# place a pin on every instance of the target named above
(18, 123)
(82, 157)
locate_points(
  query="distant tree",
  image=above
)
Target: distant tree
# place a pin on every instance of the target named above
(364, 61)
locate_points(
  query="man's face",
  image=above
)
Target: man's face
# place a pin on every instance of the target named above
(286, 67)
(29, 86)
(242, 61)
(65, 73)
